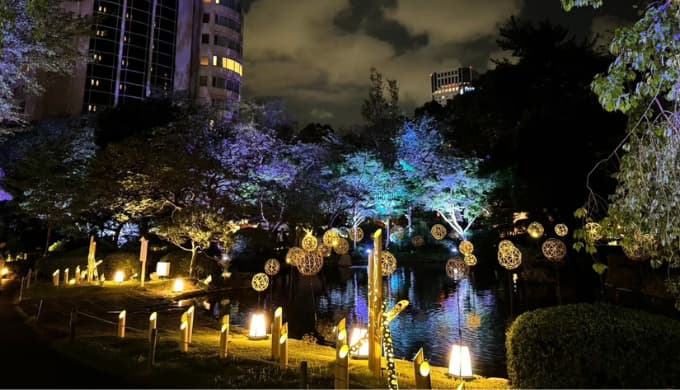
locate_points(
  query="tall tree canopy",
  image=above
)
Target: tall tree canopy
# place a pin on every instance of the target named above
(36, 37)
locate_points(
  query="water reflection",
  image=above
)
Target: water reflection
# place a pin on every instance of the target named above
(440, 313)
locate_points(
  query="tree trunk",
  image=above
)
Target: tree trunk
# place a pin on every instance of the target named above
(409, 216)
(116, 236)
(387, 236)
(194, 251)
(48, 236)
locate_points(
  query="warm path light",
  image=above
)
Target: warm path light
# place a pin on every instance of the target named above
(162, 269)
(119, 277)
(258, 329)
(178, 285)
(359, 343)
(460, 365)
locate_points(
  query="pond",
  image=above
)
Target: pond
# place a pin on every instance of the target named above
(440, 313)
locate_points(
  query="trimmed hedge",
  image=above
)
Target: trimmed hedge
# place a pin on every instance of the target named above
(593, 346)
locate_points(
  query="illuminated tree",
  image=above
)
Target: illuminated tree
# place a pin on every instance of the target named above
(36, 37)
(458, 193)
(46, 172)
(419, 150)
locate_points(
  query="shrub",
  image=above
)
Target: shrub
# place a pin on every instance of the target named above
(180, 260)
(71, 259)
(587, 346)
(127, 262)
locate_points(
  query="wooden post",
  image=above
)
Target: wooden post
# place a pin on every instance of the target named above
(190, 318)
(153, 325)
(142, 257)
(37, 314)
(421, 369)
(341, 339)
(73, 320)
(152, 347)
(55, 278)
(21, 289)
(374, 306)
(276, 332)
(66, 275)
(121, 324)
(28, 277)
(184, 336)
(283, 346)
(224, 339)
(91, 260)
(77, 274)
(342, 367)
(303, 375)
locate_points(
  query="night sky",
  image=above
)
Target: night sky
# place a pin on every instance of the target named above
(316, 54)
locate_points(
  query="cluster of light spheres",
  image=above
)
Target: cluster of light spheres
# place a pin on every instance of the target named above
(388, 263)
(272, 267)
(359, 234)
(331, 238)
(470, 260)
(456, 269)
(510, 259)
(309, 242)
(341, 247)
(294, 255)
(466, 247)
(311, 264)
(593, 231)
(554, 250)
(438, 231)
(535, 230)
(417, 241)
(260, 282)
(561, 230)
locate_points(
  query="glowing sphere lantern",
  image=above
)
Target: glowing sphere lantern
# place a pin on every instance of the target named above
(388, 263)
(535, 230)
(510, 259)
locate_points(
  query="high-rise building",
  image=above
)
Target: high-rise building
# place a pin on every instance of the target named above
(142, 48)
(448, 84)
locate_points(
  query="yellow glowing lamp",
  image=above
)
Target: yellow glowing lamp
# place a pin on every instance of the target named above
(358, 338)
(460, 364)
(5, 271)
(178, 285)
(119, 277)
(344, 350)
(163, 268)
(257, 329)
(424, 369)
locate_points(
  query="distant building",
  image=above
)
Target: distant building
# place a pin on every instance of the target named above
(140, 48)
(449, 84)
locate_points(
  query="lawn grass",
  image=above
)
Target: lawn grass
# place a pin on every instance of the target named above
(247, 365)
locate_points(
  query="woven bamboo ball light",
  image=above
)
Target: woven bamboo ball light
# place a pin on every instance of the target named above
(272, 267)
(554, 250)
(438, 231)
(466, 247)
(510, 259)
(260, 282)
(388, 263)
(561, 230)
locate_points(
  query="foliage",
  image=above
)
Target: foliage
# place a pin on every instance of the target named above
(458, 193)
(381, 111)
(127, 262)
(643, 82)
(592, 346)
(36, 39)
(46, 169)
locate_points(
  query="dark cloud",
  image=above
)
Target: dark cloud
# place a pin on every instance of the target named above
(316, 54)
(369, 17)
